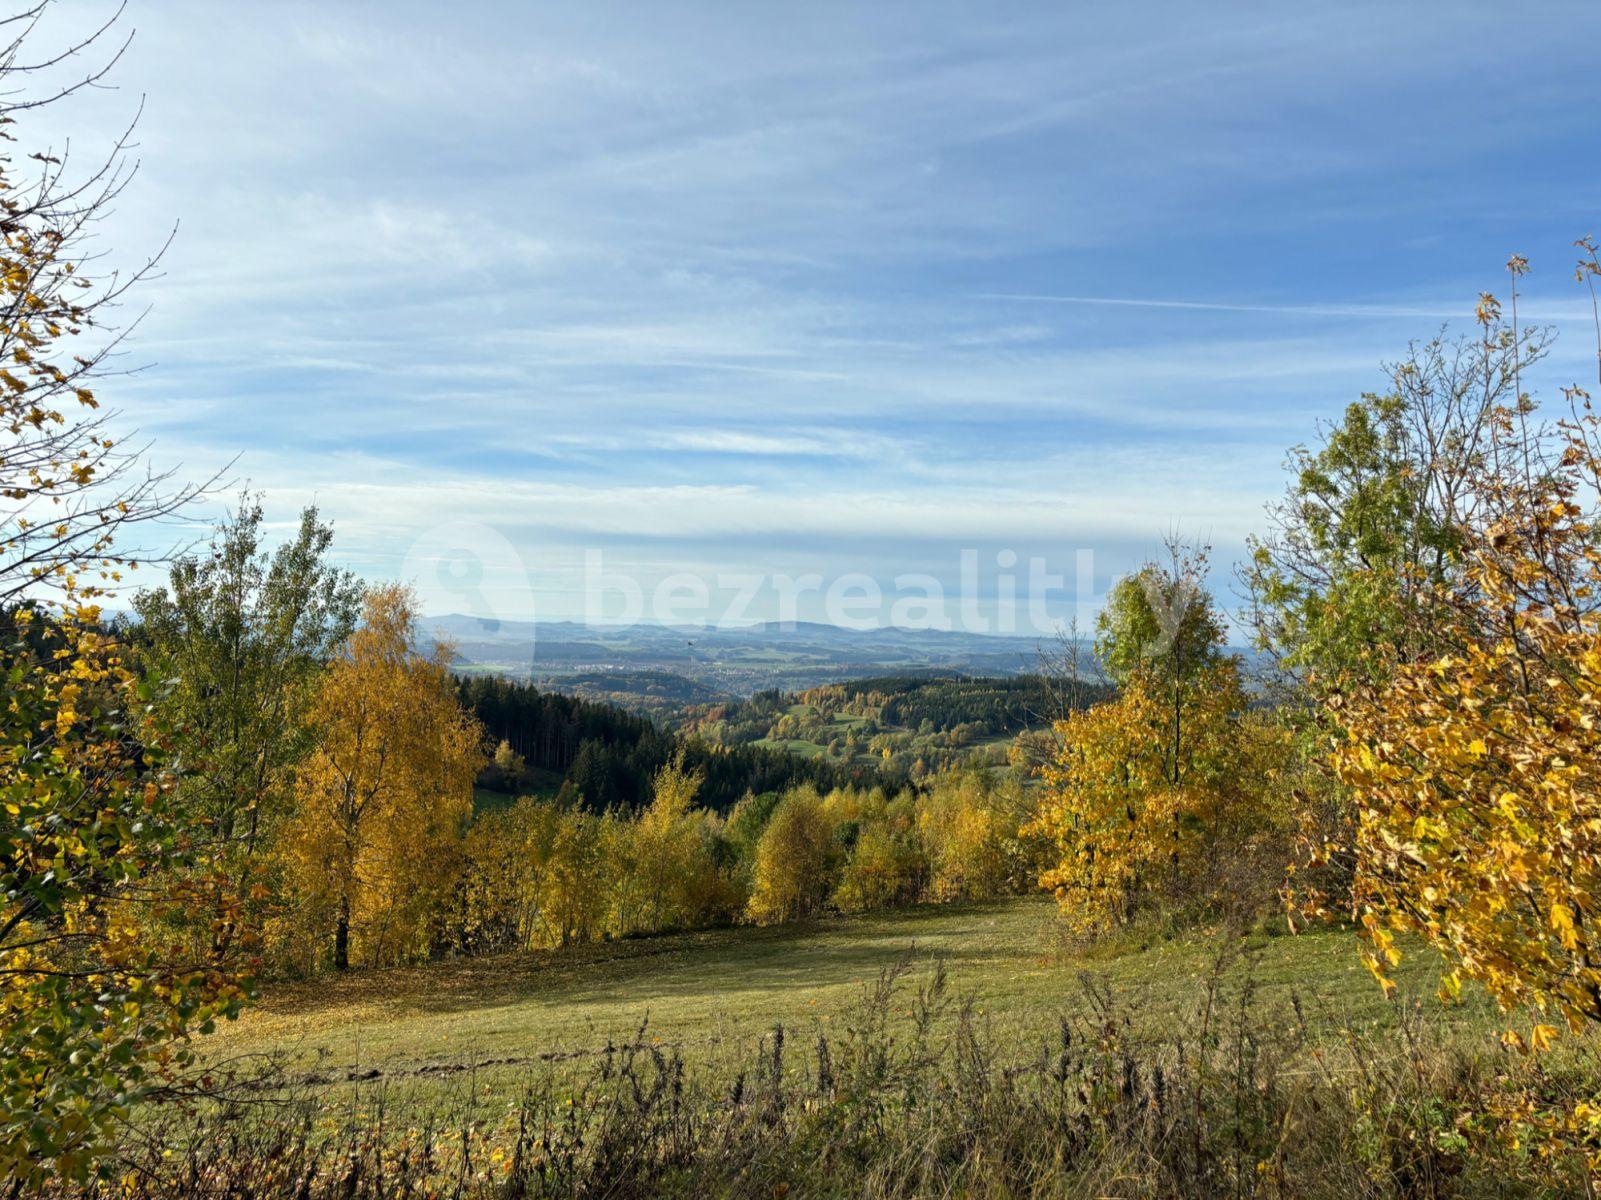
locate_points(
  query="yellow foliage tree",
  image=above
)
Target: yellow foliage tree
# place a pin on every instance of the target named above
(793, 860)
(886, 867)
(579, 875)
(1142, 808)
(1477, 772)
(971, 828)
(506, 860)
(383, 799)
(93, 1013)
(541, 874)
(666, 852)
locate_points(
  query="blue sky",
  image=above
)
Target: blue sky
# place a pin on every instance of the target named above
(729, 288)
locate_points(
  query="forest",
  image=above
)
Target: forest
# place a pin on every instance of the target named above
(264, 779)
(904, 727)
(609, 757)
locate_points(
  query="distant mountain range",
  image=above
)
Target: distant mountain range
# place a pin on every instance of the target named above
(732, 661)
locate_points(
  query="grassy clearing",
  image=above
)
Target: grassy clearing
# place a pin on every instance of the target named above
(795, 746)
(712, 994)
(538, 782)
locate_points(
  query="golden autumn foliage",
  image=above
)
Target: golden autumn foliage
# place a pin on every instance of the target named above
(1478, 771)
(791, 875)
(884, 862)
(1166, 796)
(545, 873)
(542, 873)
(382, 800)
(578, 876)
(1472, 763)
(1141, 809)
(92, 1015)
(507, 760)
(971, 827)
(497, 903)
(667, 870)
(886, 868)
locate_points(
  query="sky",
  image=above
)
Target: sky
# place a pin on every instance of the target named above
(533, 298)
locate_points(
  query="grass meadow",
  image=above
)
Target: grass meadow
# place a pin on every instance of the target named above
(951, 1051)
(712, 995)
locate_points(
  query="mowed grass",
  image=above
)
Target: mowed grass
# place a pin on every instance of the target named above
(795, 746)
(712, 994)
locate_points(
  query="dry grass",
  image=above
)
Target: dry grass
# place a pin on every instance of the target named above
(1233, 1087)
(709, 995)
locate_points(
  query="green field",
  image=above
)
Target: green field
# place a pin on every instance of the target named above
(537, 782)
(796, 746)
(712, 994)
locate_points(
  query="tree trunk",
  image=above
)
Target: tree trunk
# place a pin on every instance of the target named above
(342, 937)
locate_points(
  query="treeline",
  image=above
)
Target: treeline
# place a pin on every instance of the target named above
(921, 703)
(328, 769)
(608, 757)
(545, 873)
(905, 726)
(990, 706)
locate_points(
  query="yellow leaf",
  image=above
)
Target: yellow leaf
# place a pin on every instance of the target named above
(1562, 922)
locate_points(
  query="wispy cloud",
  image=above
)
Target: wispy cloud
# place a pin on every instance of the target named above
(1546, 310)
(1441, 312)
(831, 283)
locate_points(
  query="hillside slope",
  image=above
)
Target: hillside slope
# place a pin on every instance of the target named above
(708, 993)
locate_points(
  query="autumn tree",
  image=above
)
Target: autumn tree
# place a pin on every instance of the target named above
(1473, 762)
(791, 875)
(886, 863)
(578, 876)
(666, 843)
(1160, 626)
(382, 800)
(504, 895)
(91, 1018)
(509, 765)
(77, 493)
(971, 828)
(1149, 797)
(241, 638)
(672, 867)
(886, 868)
